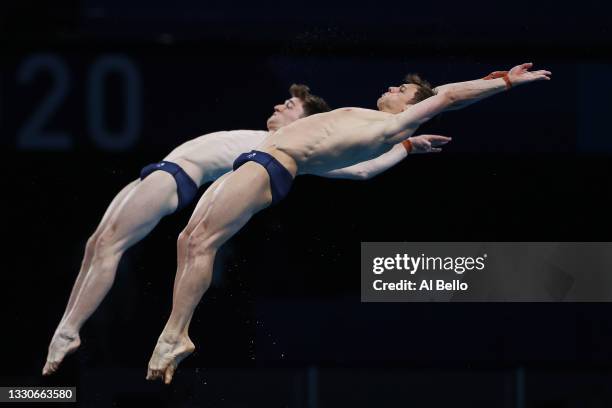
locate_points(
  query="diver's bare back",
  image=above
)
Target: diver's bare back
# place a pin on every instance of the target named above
(330, 140)
(207, 157)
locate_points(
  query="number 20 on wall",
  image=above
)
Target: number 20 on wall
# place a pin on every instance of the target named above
(33, 136)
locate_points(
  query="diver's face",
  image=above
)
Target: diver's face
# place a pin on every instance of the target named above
(286, 113)
(397, 98)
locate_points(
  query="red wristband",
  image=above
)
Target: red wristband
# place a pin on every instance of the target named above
(495, 75)
(500, 74)
(508, 83)
(407, 145)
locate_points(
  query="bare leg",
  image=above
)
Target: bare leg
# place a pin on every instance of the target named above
(183, 239)
(63, 340)
(225, 208)
(130, 217)
(91, 242)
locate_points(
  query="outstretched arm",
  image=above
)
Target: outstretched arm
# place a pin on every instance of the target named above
(467, 93)
(371, 168)
(456, 96)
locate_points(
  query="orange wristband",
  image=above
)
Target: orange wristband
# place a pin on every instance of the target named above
(508, 83)
(495, 75)
(407, 145)
(500, 74)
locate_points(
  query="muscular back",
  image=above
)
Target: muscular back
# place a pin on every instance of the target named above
(207, 157)
(331, 140)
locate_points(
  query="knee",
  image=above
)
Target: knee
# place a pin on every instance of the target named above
(90, 246)
(187, 235)
(107, 243)
(199, 243)
(183, 238)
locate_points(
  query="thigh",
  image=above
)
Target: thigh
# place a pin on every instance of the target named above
(142, 208)
(202, 206)
(115, 203)
(233, 202)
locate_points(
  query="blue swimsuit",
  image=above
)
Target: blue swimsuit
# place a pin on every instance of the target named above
(280, 178)
(186, 188)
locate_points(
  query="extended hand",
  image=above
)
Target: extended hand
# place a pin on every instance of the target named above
(521, 75)
(428, 143)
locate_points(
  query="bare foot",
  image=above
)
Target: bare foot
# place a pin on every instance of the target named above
(62, 344)
(167, 356)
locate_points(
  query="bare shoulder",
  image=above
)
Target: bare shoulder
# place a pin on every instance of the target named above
(211, 135)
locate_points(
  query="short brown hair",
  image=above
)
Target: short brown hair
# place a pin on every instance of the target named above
(312, 103)
(424, 90)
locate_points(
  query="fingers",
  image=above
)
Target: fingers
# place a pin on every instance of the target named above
(429, 143)
(546, 74)
(542, 74)
(523, 74)
(434, 137)
(527, 65)
(540, 77)
(438, 140)
(438, 137)
(521, 67)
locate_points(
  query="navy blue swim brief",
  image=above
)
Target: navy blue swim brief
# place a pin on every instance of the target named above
(186, 188)
(280, 178)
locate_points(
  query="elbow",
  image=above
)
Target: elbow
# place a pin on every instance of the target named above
(363, 175)
(449, 97)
